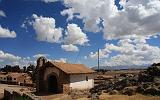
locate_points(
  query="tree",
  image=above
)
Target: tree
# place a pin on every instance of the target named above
(16, 68)
(31, 68)
(7, 68)
(24, 69)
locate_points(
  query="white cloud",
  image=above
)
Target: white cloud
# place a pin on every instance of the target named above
(140, 17)
(8, 56)
(137, 21)
(11, 59)
(102, 54)
(68, 12)
(130, 53)
(6, 33)
(70, 47)
(74, 35)
(48, 1)
(46, 30)
(64, 60)
(91, 11)
(40, 55)
(2, 13)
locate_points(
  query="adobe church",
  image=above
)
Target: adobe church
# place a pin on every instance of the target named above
(58, 77)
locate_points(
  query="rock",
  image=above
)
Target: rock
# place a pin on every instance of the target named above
(113, 92)
(156, 80)
(146, 85)
(144, 77)
(89, 96)
(128, 91)
(99, 93)
(121, 84)
(79, 93)
(103, 86)
(154, 70)
(123, 75)
(152, 91)
(140, 89)
(104, 91)
(94, 97)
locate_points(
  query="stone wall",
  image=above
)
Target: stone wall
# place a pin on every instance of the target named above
(66, 88)
(15, 95)
(62, 78)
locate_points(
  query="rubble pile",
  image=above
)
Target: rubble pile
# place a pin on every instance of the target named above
(146, 82)
(117, 86)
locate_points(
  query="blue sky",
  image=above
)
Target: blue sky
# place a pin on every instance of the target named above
(25, 47)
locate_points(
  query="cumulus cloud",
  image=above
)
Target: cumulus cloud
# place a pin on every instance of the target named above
(2, 13)
(46, 30)
(91, 11)
(102, 54)
(68, 12)
(11, 59)
(40, 55)
(74, 35)
(140, 17)
(6, 33)
(8, 56)
(70, 47)
(137, 21)
(130, 53)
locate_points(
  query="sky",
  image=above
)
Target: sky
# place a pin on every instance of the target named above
(126, 32)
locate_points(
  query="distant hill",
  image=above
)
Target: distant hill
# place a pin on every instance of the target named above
(120, 67)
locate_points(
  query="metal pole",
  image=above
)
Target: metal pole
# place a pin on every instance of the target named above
(98, 59)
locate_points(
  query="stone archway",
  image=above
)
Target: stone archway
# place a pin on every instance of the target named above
(52, 84)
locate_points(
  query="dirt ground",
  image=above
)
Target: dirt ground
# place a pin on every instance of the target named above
(111, 74)
(56, 97)
(104, 96)
(125, 97)
(13, 87)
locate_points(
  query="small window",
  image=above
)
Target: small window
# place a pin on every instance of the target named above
(86, 78)
(14, 78)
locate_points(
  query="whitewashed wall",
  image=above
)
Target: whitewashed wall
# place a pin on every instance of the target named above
(78, 81)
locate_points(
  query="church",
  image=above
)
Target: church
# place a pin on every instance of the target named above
(58, 77)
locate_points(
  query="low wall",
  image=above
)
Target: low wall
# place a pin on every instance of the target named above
(15, 95)
(16, 83)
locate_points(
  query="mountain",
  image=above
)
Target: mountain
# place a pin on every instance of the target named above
(120, 67)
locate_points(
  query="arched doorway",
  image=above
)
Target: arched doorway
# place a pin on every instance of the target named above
(52, 84)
